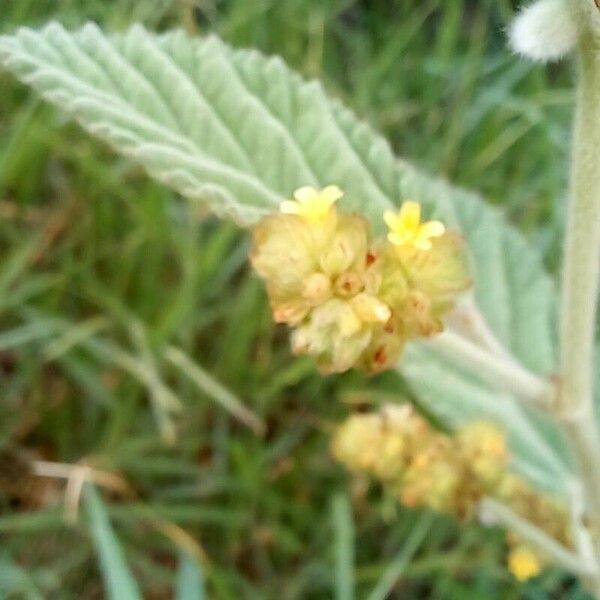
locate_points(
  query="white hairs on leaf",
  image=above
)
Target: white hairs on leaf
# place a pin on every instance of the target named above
(544, 31)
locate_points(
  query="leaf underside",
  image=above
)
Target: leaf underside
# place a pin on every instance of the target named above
(238, 132)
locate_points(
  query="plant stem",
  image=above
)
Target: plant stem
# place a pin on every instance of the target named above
(503, 373)
(547, 545)
(581, 271)
(474, 323)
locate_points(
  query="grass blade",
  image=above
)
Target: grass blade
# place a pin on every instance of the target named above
(344, 547)
(119, 582)
(215, 390)
(395, 569)
(190, 580)
(16, 582)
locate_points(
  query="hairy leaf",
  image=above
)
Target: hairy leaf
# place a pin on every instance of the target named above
(239, 132)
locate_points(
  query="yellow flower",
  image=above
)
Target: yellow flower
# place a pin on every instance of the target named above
(523, 563)
(406, 228)
(312, 204)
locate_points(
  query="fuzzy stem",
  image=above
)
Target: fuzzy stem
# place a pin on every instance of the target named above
(581, 272)
(539, 539)
(503, 373)
(582, 245)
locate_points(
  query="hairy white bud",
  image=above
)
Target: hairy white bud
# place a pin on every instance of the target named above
(544, 31)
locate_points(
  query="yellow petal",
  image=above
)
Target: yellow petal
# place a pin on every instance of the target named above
(427, 231)
(410, 215)
(305, 194)
(432, 229)
(391, 219)
(332, 193)
(421, 243)
(396, 239)
(289, 207)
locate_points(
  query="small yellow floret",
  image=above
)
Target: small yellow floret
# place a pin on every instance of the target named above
(314, 205)
(523, 563)
(406, 228)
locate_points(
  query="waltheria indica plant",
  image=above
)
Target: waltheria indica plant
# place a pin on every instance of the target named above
(374, 265)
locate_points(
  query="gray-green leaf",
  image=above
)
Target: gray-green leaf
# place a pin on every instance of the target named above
(239, 132)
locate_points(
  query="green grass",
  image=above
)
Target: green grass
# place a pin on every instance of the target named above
(103, 273)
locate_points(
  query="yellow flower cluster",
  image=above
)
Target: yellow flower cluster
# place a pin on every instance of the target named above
(423, 467)
(354, 302)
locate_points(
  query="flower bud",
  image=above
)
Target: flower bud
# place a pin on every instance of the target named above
(440, 274)
(316, 288)
(544, 31)
(390, 457)
(370, 310)
(432, 483)
(348, 284)
(357, 441)
(347, 247)
(417, 316)
(384, 349)
(483, 447)
(283, 253)
(334, 335)
(290, 312)
(389, 273)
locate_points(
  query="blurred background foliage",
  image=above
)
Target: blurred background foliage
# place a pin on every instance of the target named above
(110, 286)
